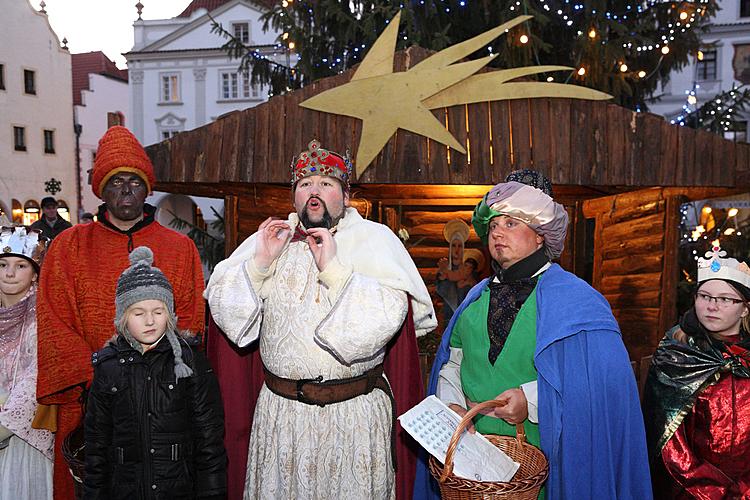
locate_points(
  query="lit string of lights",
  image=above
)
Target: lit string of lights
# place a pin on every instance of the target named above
(687, 14)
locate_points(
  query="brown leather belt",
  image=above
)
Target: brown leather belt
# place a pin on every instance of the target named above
(321, 392)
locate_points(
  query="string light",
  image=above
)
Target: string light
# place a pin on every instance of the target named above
(569, 12)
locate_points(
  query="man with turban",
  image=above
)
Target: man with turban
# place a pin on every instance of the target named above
(76, 303)
(546, 343)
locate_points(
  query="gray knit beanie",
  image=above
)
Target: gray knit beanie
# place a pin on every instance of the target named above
(142, 281)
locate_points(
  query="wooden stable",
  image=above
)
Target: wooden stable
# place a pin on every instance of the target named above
(621, 175)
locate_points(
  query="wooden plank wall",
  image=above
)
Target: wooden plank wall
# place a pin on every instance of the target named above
(571, 141)
(629, 256)
(635, 259)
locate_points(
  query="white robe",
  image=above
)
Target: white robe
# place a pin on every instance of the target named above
(335, 324)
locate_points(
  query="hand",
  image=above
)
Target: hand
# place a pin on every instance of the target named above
(322, 246)
(461, 412)
(516, 409)
(273, 235)
(442, 264)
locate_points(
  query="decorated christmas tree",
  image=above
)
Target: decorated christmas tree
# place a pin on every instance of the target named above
(620, 47)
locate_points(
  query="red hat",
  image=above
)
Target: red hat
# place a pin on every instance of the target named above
(120, 151)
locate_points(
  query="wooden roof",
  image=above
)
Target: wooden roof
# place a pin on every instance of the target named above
(573, 142)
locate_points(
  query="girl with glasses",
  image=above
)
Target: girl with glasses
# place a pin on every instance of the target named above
(697, 397)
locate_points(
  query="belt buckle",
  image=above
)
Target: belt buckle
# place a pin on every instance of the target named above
(301, 394)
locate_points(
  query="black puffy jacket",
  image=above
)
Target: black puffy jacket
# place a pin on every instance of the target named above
(148, 436)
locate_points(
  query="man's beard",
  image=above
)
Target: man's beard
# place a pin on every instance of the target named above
(326, 221)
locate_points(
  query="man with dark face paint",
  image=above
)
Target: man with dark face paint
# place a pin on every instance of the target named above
(77, 289)
(325, 292)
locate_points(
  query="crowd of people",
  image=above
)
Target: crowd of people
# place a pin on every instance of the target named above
(312, 354)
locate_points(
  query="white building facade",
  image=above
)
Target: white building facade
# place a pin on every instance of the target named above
(723, 64)
(37, 143)
(180, 78)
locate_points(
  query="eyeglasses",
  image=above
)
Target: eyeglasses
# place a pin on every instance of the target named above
(720, 301)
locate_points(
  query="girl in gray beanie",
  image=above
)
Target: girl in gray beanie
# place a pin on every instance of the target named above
(154, 424)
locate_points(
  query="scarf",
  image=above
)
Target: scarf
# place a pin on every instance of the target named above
(508, 291)
(13, 322)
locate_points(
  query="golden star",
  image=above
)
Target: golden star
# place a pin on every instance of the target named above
(386, 101)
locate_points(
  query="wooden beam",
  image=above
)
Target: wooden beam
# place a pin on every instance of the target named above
(670, 268)
(650, 224)
(231, 224)
(417, 217)
(633, 264)
(623, 284)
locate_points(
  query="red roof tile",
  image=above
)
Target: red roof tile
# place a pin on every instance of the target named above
(92, 62)
(210, 5)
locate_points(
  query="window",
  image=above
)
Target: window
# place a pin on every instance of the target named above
(706, 69)
(168, 134)
(744, 8)
(19, 138)
(2, 76)
(738, 133)
(49, 141)
(115, 118)
(241, 32)
(236, 86)
(29, 83)
(170, 87)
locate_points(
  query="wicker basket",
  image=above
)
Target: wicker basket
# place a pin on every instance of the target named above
(73, 452)
(525, 485)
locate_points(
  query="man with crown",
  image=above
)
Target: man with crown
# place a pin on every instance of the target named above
(77, 287)
(326, 294)
(697, 397)
(544, 342)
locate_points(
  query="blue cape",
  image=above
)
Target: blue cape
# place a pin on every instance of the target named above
(590, 420)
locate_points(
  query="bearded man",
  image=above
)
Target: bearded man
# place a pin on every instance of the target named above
(76, 301)
(545, 343)
(324, 292)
